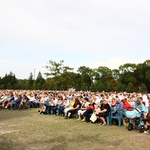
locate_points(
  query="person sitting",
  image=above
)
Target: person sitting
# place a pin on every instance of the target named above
(74, 109)
(131, 101)
(32, 100)
(59, 105)
(113, 102)
(85, 103)
(119, 104)
(43, 110)
(139, 106)
(24, 101)
(64, 105)
(45, 104)
(71, 103)
(54, 105)
(89, 110)
(147, 123)
(96, 99)
(5, 100)
(126, 105)
(104, 112)
(93, 117)
(10, 101)
(16, 101)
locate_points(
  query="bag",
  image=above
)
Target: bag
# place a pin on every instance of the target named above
(93, 118)
(90, 107)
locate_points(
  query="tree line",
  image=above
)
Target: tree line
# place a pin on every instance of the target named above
(129, 77)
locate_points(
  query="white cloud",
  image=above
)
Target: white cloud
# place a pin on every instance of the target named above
(114, 62)
(4, 61)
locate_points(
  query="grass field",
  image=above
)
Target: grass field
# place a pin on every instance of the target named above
(27, 130)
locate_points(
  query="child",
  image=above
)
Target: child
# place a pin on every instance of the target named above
(147, 122)
(93, 118)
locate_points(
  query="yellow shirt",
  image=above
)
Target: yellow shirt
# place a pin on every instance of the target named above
(71, 104)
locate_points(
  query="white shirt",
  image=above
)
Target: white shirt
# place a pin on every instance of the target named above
(145, 99)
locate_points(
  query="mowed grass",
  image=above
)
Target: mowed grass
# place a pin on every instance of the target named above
(27, 130)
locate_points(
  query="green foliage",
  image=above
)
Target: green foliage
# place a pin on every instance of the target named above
(129, 77)
(120, 87)
(30, 82)
(67, 80)
(143, 88)
(86, 77)
(130, 88)
(39, 82)
(9, 81)
(110, 87)
(56, 69)
(22, 84)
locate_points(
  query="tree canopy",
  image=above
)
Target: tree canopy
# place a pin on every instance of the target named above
(128, 77)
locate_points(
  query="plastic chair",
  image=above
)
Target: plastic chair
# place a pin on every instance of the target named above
(117, 115)
(108, 120)
(112, 110)
(14, 105)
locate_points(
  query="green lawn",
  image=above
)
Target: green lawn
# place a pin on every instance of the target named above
(27, 130)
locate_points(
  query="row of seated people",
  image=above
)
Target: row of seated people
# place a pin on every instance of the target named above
(83, 110)
(43, 97)
(76, 108)
(14, 101)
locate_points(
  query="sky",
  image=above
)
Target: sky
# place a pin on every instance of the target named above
(89, 33)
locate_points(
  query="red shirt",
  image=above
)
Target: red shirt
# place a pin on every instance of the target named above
(127, 106)
(143, 103)
(90, 107)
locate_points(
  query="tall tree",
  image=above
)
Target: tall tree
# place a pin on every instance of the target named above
(143, 88)
(9, 81)
(146, 66)
(67, 80)
(104, 78)
(55, 69)
(39, 82)
(86, 77)
(128, 74)
(130, 88)
(30, 81)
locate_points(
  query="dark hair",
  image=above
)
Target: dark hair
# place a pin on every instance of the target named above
(148, 115)
(86, 99)
(77, 100)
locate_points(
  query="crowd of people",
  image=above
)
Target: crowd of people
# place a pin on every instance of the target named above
(81, 105)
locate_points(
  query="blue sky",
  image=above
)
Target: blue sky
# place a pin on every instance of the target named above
(88, 33)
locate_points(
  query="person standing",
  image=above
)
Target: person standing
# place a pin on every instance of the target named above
(146, 101)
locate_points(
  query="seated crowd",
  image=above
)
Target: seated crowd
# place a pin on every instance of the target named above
(81, 105)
